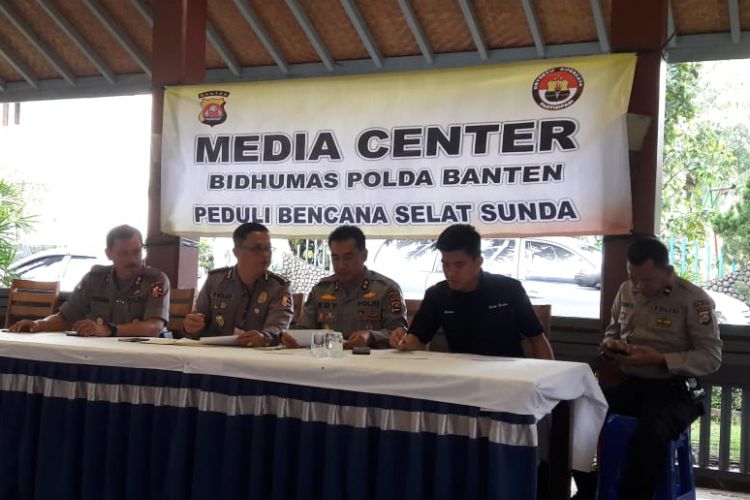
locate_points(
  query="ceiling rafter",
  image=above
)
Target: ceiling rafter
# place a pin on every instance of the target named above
(299, 14)
(363, 31)
(125, 42)
(474, 29)
(531, 20)
(416, 30)
(19, 66)
(671, 28)
(78, 40)
(265, 39)
(26, 30)
(734, 21)
(601, 25)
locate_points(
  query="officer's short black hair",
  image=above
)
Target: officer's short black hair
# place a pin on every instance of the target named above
(648, 248)
(460, 237)
(241, 232)
(123, 232)
(346, 232)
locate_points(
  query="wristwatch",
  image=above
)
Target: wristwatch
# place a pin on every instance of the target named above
(112, 330)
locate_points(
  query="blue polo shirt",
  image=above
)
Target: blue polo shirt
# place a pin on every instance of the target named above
(492, 320)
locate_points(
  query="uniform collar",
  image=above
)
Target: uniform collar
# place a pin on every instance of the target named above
(364, 285)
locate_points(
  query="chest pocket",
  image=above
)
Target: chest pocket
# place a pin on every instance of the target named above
(498, 316)
(664, 322)
(99, 308)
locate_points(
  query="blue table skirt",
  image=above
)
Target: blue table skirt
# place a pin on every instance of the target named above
(94, 432)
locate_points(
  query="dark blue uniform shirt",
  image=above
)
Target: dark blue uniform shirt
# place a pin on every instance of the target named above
(492, 320)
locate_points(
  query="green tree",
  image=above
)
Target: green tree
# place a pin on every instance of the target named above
(12, 222)
(734, 227)
(700, 155)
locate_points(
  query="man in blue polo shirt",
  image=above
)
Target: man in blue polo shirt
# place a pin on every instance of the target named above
(480, 313)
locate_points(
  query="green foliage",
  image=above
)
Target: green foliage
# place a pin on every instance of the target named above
(734, 227)
(12, 221)
(702, 158)
(205, 255)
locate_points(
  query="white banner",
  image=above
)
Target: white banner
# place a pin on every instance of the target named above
(530, 148)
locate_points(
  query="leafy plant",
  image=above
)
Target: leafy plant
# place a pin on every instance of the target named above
(12, 222)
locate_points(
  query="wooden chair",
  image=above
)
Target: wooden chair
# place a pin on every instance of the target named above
(29, 299)
(412, 306)
(180, 305)
(544, 313)
(297, 302)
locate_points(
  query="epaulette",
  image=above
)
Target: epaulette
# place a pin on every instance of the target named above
(151, 272)
(278, 277)
(219, 270)
(100, 269)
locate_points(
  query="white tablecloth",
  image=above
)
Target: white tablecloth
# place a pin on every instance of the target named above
(520, 386)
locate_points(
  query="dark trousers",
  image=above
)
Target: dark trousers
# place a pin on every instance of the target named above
(664, 410)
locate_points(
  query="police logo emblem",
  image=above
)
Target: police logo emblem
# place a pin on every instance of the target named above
(557, 88)
(212, 107)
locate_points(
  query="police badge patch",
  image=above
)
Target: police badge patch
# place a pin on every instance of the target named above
(212, 107)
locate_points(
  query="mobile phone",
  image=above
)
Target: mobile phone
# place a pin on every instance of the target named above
(361, 350)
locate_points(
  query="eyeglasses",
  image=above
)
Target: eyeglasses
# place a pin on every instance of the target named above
(257, 248)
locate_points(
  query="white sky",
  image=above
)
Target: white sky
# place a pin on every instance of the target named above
(87, 163)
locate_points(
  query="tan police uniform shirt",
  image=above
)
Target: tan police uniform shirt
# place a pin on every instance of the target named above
(376, 305)
(680, 323)
(228, 304)
(102, 297)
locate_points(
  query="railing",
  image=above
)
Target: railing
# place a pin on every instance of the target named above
(721, 438)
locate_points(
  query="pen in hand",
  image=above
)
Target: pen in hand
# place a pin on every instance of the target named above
(403, 339)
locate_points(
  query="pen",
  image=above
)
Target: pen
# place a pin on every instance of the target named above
(403, 339)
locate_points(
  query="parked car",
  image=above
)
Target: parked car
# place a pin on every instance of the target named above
(58, 264)
(562, 271)
(416, 264)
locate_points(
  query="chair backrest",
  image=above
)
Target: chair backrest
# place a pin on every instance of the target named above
(544, 313)
(297, 303)
(180, 305)
(29, 299)
(412, 306)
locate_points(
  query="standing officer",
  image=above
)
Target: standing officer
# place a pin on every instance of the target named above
(247, 299)
(481, 313)
(124, 299)
(663, 335)
(362, 304)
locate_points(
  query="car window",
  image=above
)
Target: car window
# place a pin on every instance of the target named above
(549, 261)
(43, 269)
(77, 267)
(499, 256)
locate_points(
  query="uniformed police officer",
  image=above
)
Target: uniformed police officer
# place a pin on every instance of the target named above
(363, 305)
(247, 299)
(124, 299)
(663, 335)
(479, 312)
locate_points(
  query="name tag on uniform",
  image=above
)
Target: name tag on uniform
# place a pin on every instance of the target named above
(449, 312)
(497, 306)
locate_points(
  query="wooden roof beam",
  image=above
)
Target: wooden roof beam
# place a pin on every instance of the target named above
(601, 26)
(474, 29)
(77, 39)
(416, 30)
(101, 14)
(363, 31)
(18, 66)
(734, 21)
(37, 42)
(312, 35)
(262, 34)
(536, 33)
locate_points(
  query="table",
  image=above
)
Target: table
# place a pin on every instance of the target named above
(103, 419)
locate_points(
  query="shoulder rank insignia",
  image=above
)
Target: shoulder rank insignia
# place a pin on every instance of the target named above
(157, 290)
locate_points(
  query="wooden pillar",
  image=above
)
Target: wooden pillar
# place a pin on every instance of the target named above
(179, 56)
(639, 26)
